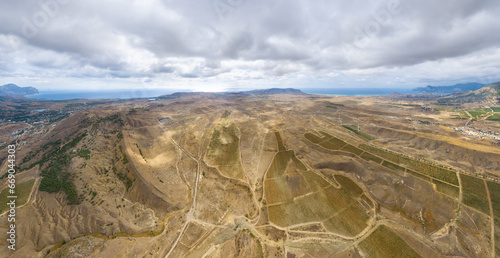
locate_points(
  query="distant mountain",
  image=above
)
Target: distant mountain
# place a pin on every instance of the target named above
(273, 91)
(16, 91)
(487, 94)
(461, 87)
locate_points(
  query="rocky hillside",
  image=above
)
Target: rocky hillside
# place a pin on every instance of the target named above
(487, 94)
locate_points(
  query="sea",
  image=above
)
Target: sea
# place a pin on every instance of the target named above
(151, 93)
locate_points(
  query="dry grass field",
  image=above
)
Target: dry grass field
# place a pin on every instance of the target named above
(249, 175)
(318, 201)
(224, 151)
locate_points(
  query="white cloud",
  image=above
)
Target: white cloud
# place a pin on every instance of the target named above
(255, 43)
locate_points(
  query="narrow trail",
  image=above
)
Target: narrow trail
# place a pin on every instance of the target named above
(492, 220)
(190, 214)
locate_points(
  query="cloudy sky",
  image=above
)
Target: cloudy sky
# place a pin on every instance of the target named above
(213, 45)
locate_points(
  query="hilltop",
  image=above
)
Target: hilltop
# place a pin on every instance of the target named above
(487, 94)
(16, 91)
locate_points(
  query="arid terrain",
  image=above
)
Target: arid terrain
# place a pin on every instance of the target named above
(256, 175)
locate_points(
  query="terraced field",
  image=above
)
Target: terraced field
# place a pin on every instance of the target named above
(361, 134)
(224, 151)
(447, 189)
(494, 117)
(383, 242)
(433, 171)
(389, 159)
(296, 195)
(327, 141)
(494, 190)
(461, 114)
(474, 193)
(23, 191)
(478, 111)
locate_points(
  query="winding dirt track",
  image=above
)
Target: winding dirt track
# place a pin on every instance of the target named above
(190, 214)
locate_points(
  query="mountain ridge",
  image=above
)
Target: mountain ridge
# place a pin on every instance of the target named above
(13, 90)
(460, 87)
(487, 94)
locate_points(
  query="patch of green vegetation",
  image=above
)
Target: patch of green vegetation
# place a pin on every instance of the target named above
(363, 135)
(84, 153)
(55, 173)
(460, 114)
(352, 149)
(447, 189)
(392, 166)
(72, 105)
(330, 106)
(261, 252)
(127, 180)
(495, 109)
(333, 144)
(458, 117)
(125, 159)
(446, 104)
(313, 138)
(348, 185)
(433, 171)
(22, 191)
(296, 195)
(405, 105)
(4, 175)
(383, 242)
(226, 114)
(367, 200)
(281, 146)
(476, 112)
(367, 156)
(474, 193)
(494, 117)
(327, 141)
(140, 151)
(415, 174)
(349, 221)
(494, 190)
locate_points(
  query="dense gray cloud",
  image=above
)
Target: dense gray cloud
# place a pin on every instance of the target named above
(253, 43)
